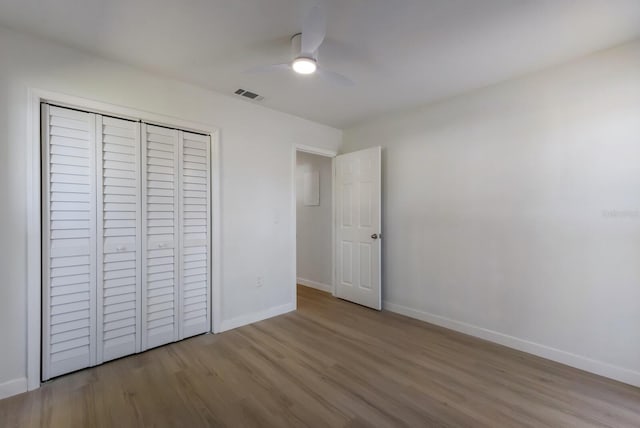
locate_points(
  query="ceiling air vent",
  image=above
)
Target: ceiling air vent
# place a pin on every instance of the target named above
(248, 94)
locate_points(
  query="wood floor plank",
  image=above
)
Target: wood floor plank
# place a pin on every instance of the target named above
(329, 364)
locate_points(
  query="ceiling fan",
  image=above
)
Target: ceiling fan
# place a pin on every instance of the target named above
(304, 47)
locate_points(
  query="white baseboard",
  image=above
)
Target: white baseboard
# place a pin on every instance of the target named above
(13, 387)
(317, 285)
(621, 374)
(256, 316)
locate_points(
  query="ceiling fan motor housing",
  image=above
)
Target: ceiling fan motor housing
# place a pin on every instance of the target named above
(296, 49)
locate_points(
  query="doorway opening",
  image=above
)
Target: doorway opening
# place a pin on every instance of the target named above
(339, 222)
(314, 221)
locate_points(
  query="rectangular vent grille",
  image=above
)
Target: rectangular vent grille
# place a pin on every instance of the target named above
(249, 94)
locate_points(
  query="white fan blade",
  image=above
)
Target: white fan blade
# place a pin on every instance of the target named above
(335, 78)
(314, 29)
(269, 68)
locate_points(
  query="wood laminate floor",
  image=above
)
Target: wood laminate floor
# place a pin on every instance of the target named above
(331, 363)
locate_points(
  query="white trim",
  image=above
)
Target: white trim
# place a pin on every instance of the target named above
(294, 228)
(334, 229)
(34, 224)
(93, 106)
(13, 387)
(34, 212)
(316, 150)
(216, 234)
(583, 363)
(243, 320)
(314, 284)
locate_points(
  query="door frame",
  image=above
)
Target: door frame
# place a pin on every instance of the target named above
(329, 153)
(34, 208)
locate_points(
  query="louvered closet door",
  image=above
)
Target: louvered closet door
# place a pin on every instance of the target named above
(160, 201)
(119, 238)
(68, 241)
(195, 227)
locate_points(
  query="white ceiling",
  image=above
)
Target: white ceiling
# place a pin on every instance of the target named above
(401, 53)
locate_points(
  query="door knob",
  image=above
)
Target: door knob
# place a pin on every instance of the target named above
(374, 236)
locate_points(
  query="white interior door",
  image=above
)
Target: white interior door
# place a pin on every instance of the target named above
(119, 238)
(195, 234)
(68, 241)
(358, 227)
(126, 247)
(160, 248)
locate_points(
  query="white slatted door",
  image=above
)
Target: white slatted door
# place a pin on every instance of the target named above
(119, 238)
(160, 202)
(195, 232)
(68, 241)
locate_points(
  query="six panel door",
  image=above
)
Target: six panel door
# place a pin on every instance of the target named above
(358, 216)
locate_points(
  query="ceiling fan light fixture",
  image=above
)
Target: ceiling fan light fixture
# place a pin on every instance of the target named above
(303, 65)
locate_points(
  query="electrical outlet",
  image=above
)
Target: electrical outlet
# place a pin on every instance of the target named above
(259, 282)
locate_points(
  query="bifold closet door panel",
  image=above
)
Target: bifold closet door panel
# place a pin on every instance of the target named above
(68, 240)
(119, 238)
(195, 232)
(160, 251)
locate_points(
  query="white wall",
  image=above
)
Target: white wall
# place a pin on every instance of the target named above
(513, 212)
(314, 225)
(257, 149)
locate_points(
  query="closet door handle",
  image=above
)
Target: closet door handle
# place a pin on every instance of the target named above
(121, 248)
